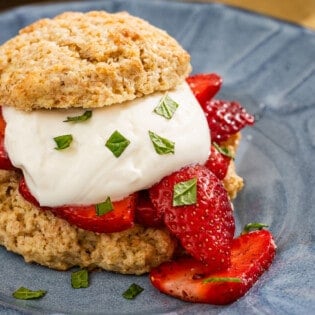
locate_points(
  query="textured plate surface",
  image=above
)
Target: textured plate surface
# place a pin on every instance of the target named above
(267, 65)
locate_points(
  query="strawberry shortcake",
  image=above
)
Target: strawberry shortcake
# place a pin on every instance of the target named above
(111, 155)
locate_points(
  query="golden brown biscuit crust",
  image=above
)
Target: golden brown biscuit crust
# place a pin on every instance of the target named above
(88, 60)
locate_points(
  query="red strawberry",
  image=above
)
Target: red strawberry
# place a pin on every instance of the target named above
(146, 213)
(206, 228)
(86, 217)
(5, 163)
(26, 194)
(218, 162)
(204, 86)
(226, 118)
(187, 278)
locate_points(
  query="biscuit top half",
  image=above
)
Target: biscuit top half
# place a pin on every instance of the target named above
(88, 60)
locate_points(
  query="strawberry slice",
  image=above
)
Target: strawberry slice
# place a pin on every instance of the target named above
(85, 217)
(188, 279)
(205, 228)
(146, 213)
(5, 163)
(218, 161)
(204, 86)
(26, 194)
(226, 118)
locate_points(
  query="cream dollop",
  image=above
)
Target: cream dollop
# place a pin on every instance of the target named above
(87, 172)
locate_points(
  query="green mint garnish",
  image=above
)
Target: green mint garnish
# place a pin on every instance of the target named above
(104, 207)
(63, 142)
(85, 116)
(80, 279)
(166, 107)
(27, 294)
(222, 279)
(117, 143)
(162, 145)
(185, 193)
(253, 226)
(223, 150)
(132, 291)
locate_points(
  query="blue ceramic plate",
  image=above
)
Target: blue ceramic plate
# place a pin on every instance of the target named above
(267, 65)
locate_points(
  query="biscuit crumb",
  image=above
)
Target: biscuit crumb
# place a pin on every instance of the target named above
(232, 182)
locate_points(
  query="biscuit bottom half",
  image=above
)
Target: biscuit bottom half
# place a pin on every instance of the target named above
(43, 238)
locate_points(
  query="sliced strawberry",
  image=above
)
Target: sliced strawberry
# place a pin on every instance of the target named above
(218, 162)
(204, 86)
(85, 217)
(206, 228)
(226, 118)
(188, 279)
(26, 194)
(146, 213)
(5, 163)
(2, 124)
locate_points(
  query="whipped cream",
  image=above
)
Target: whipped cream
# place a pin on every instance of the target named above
(87, 172)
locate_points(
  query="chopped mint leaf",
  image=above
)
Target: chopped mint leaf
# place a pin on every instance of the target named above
(223, 150)
(253, 226)
(166, 107)
(132, 291)
(85, 116)
(117, 143)
(27, 294)
(80, 279)
(222, 279)
(104, 207)
(63, 142)
(162, 145)
(185, 193)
